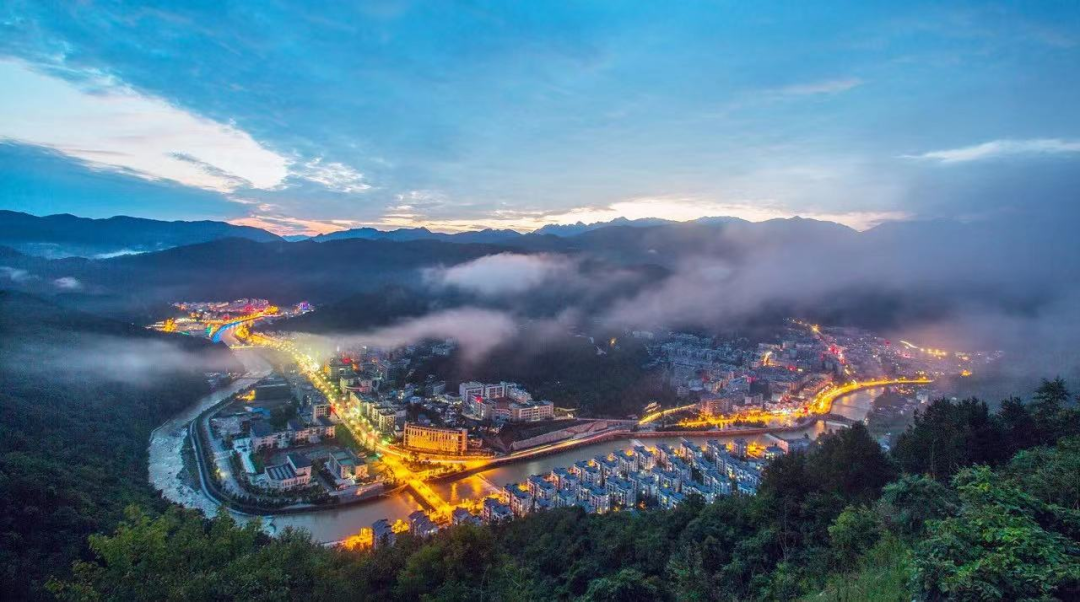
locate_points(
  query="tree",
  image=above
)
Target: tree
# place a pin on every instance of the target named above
(907, 504)
(1048, 410)
(628, 585)
(851, 465)
(995, 548)
(1019, 428)
(948, 436)
(853, 533)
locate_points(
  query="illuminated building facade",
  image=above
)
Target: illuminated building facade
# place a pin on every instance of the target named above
(438, 440)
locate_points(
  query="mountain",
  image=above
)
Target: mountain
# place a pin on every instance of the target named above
(232, 268)
(66, 235)
(511, 236)
(566, 230)
(407, 234)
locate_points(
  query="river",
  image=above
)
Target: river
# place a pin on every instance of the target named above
(167, 441)
(335, 525)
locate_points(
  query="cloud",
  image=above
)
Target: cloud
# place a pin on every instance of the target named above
(16, 275)
(335, 176)
(114, 127)
(121, 359)
(687, 208)
(502, 274)
(68, 283)
(996, 149)
(831, 86)
(284, 225)
(477, 331)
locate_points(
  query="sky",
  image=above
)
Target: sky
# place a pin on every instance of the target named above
(305, 117)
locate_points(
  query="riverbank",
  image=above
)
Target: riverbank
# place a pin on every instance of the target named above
(335, 523)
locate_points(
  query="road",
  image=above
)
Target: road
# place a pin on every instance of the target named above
(392, 457)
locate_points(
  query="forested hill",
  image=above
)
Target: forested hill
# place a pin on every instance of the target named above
(79, 398)
(970, 505)
(67, 235)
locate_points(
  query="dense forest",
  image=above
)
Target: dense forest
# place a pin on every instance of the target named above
(74, 436)
(969, 505)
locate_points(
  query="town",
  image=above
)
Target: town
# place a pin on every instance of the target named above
(332, 429)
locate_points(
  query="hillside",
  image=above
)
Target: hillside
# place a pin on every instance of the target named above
(67, 235)
(80, 396)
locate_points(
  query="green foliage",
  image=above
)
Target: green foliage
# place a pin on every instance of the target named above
(282, 414)
(73, 442)
(948, 436)
(628, 585)
(181, 556)
(881, 575)
(854, 532)
(909, 502)
(1050, 474)
(1003, 544)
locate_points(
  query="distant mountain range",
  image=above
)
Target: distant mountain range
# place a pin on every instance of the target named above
(65, 235)
(407, 234)
(60, 236)
(489, 235)
(1020, 262)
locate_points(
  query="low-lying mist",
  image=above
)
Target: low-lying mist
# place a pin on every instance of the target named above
(993, 285)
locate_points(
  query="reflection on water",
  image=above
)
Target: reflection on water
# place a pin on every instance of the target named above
(856, 406)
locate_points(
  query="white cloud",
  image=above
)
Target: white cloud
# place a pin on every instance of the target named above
(691, 208)
(333, 175)
(1001, 148)
(114, 127)
(505, 273)
(16, 274)
(831, 86)
(478, 331)
(68, 283)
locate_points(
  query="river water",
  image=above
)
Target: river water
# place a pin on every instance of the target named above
(167, 441)
(335, 525)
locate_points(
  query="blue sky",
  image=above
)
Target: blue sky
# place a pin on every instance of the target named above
(456, 115)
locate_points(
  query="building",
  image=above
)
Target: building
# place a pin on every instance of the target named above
(740, 448)
(715, 406)
(344, 464)
(294, 473)
(495, 511)
(531, 411)
(435, 440)
(461, 516)
(382, 534)
(621, 492)
(597, 498)
(470, 390)
(265, 437)
(422, 526)
(519, 500)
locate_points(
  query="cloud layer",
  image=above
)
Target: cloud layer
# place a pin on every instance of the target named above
(996, 149)
(502, 274)
(477, 331)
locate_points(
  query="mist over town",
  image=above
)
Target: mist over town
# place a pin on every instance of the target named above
(529, 301)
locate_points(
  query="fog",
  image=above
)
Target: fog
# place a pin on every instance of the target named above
(477, 331)
(127, 360)
(502, 274)
(1009, 283)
